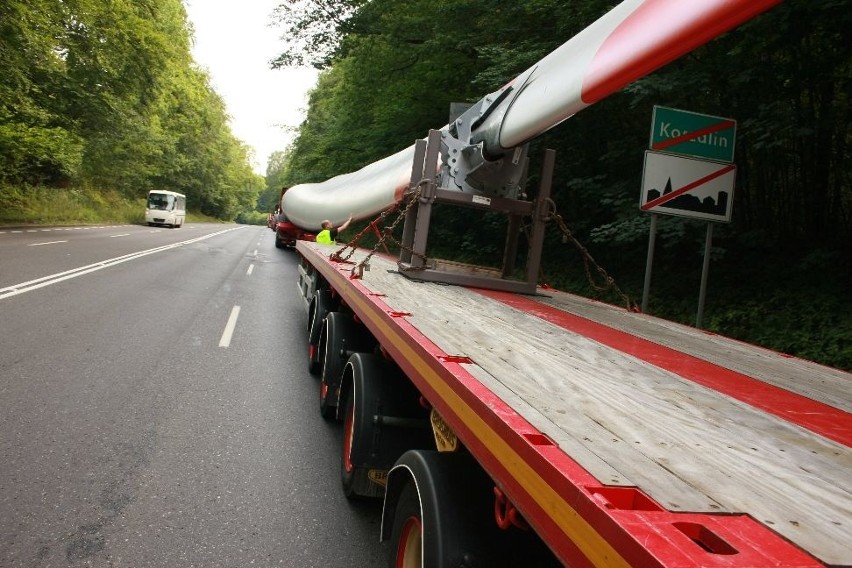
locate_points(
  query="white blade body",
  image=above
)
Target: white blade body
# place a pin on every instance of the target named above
(629, 42)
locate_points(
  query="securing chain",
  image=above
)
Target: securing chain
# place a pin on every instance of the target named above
(589, 261)
(552, 214)
(386, 234)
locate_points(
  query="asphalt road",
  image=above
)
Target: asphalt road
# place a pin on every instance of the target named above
(138, 428)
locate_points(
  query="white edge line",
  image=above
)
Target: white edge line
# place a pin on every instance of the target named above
(16, 289)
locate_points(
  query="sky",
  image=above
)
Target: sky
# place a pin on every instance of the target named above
(234, 43)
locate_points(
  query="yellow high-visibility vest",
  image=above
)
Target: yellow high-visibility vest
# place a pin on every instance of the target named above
(324, 237)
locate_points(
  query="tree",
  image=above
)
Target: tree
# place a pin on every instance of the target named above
(106, 94)
(312, 30)
(38, 143)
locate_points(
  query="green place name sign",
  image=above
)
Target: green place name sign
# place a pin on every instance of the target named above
(692, 134)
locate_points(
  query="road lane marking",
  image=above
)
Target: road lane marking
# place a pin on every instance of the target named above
(250, 270)
(121, 235)
(225, 341)
(30, 285)
(47, 243)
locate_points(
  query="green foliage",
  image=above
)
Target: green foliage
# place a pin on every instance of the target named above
(355, 115)
(38, 154)
(312, 30)
(70, 206)
(805, 334)
(251, 218)
(105, 94)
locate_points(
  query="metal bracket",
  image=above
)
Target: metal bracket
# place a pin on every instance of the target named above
(416, 229)
(465, 166)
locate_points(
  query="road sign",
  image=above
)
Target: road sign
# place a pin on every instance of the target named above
(692, 134)
(677, 185)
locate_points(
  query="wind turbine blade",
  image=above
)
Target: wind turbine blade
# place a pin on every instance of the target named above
(632, 40)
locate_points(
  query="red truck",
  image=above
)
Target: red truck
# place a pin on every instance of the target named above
(286, 233)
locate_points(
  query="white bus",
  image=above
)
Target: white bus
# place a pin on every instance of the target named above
(165, 208)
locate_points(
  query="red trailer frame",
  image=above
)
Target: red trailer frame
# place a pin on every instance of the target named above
(584, 521)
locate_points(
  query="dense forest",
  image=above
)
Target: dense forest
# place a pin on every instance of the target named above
(105, 97)
(780, 271)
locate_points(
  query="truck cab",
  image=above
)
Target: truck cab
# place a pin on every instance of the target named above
(286, 233)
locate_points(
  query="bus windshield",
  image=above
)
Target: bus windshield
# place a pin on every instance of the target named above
(161, 201)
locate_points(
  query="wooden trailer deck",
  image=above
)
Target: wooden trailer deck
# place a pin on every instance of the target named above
(699, 422)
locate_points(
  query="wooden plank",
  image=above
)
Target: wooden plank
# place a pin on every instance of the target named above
(824, 384)
(629, 422)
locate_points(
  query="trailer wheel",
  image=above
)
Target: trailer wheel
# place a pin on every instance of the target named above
(358, 481)
(321, 305)
(434, 514)
(332, 344)
(341, 336)
(382, 418)
(442, 504)
(408, 530)
(348, 470)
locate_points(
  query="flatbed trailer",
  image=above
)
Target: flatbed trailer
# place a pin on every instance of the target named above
(615, 438)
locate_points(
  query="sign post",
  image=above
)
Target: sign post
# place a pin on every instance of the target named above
(689, 173)
(708, 243)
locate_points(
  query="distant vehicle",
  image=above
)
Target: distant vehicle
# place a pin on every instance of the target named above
(286, 233)
(165, 208)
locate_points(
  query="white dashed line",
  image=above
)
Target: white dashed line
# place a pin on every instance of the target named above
(48, 243)
(229, 327)
(250, 270)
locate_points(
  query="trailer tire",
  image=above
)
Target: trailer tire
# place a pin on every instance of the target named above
(341, 336)
(382, 419)
(321, 305)
(454, 511)
(354, 480)
(438, 495)
(407, 534)
(332, 343)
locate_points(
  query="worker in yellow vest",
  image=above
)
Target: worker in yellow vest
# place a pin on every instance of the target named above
(329, 233)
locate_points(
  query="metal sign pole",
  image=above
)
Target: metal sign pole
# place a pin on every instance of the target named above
(652, 238)
(708, 242)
